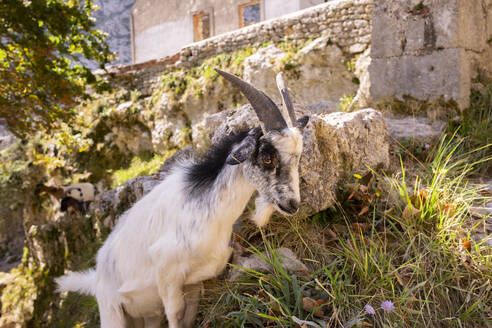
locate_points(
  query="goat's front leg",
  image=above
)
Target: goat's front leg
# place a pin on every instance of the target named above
(170, 287)
(192, 299)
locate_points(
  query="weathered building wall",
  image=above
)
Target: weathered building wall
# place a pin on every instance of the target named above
(161, 28)
(162, 40)
(428, 49)
(347, 24)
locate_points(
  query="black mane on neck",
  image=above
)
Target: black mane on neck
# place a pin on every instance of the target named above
(201, 175)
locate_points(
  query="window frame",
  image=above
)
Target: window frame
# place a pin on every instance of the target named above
(195, 15)
(249, 3)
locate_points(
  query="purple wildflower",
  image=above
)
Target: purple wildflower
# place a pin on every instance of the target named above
(387, 306)
(369, 309)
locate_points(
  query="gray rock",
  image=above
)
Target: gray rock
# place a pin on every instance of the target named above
(255, 262)
(488, 187)
(363, 98)
(482, 238)
(323, 74)
(335, 145)
(6, 138)
(482, 211)
(259, 68)
(420, 128)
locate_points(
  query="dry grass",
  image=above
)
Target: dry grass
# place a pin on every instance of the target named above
(412, 246)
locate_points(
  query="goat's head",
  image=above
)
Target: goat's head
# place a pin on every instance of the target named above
(271, 152)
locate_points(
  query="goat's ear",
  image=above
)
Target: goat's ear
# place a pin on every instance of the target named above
(302, 122)
(245, 148)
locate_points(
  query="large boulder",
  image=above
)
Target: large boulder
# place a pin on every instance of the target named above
(318, 72)
(260, 68)
(323, 73)
(336, 145)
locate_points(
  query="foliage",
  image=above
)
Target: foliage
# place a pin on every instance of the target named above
(475, 125)
(200, 81)
(140, 165)
(41, 47)
(344, 104)
(20, 295)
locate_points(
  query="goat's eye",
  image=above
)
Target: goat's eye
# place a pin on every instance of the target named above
(267, 161)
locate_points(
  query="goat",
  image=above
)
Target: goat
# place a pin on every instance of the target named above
(76, 196)
(178, 235)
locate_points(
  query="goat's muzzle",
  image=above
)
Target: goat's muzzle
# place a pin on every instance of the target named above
(290, 207)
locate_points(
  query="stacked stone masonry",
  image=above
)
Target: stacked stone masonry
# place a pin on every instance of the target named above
(347, 23)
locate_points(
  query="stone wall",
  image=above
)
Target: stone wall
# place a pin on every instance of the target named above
(428, 49)
(347, 23)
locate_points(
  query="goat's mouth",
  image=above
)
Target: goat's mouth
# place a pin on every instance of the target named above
(286, 211)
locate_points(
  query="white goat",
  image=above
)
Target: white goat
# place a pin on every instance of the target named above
(177, 236)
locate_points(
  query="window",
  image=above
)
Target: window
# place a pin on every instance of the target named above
(202, 25)
(249, 13)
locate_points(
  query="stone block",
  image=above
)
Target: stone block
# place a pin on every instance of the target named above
(442, 73)
(415, 35)
(472, 23)
(416, 128)
(404, 27)
(386, 39)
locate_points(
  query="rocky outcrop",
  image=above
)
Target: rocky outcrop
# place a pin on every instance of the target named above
(335, 145)
(317, 75)
(317, 72)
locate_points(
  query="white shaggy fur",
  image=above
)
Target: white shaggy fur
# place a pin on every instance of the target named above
(82, 282)
(168, 243)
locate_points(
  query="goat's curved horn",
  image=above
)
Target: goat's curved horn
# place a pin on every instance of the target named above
(287, 108)
(268, 113)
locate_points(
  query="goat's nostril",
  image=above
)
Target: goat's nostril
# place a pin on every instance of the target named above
(294, 205)
(291, 206)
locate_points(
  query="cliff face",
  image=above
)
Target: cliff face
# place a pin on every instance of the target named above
(114, 19)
